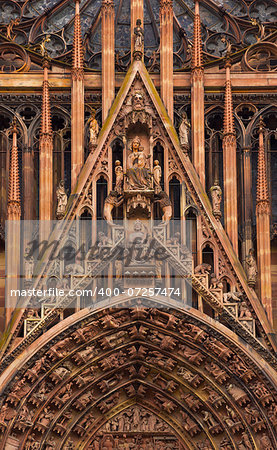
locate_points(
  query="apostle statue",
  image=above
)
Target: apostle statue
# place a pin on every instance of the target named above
(157, 175)
(93, 128)
(184, 130)
(61, 200)
(118, 177)
(112, 201)
(216, 194)
(251, 268)
(139, 36)
(138, 173)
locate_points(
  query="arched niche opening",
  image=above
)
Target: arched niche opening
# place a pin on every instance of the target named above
(69, 254)
(191, 240)
(158, 155)
(191, 231)
(208, 258)
(101, 194)
(85, 231)
(208, 255)
(227, 286)
(214, 154)
(117, 155)
(175, 198)
(61, 151)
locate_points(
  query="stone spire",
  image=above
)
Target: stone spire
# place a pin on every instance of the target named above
(108, 60)
(45, 152)
(197, 100)
(262, 186)
(77, 100)
(46, 125)
(230, 164)
(78, 57)
(166, 54)
(13, 229)
(228, 107)
(197, 57)
(263, 228)
(14, 209)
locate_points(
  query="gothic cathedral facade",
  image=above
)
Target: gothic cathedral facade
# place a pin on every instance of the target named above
(138, 224)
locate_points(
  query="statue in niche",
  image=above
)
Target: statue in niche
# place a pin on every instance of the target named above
(139, 36)
(93, 128)
(119, 177)
(138, 173)
(113, 200)
(216, 194)
(251, 268)
(61, 200)
(140, 233)
(184, 130)
(157, 175)
(29, 263)
(165, 204)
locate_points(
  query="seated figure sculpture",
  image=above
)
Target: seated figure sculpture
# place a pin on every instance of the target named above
(138, 174)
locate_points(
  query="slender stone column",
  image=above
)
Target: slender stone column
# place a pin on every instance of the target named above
(230, 165)
(136, 13)
(166, 54)
(29, 182)
(197, 100)
(77, 100)
(247, 194)
(13, 229)
(263, 229)
(46, 153)
(108, 70)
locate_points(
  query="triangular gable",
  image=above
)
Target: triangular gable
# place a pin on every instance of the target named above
(192, 180)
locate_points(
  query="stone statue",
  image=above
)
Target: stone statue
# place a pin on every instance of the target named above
(110, 202)
(157, 175)
(139, 235)
(184, 130)
(29, 263)
(216, 194)
(166, 206)
(119, 177)
(251, 268)
(93, 128)
(61, 200)
(139, 36)
(138, 174)
(244, 311)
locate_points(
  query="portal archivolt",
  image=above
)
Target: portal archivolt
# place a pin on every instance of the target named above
(138, 378)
